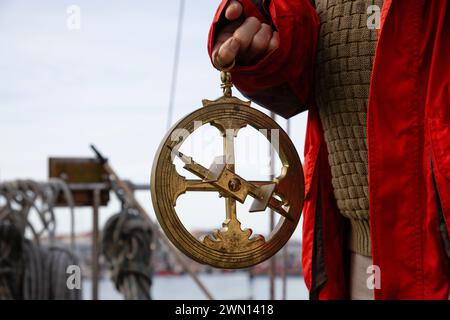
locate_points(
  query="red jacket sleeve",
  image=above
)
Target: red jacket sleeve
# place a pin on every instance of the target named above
(283, 80)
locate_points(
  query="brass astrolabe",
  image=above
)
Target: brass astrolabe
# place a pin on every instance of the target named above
(230, 247)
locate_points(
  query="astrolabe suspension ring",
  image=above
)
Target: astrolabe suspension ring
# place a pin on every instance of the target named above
(230, 247)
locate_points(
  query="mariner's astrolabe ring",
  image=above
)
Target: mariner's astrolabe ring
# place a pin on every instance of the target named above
(229, 247)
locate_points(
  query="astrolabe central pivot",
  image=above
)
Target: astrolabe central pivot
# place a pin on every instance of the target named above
(230, 246)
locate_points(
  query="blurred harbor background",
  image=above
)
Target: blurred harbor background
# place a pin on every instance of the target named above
(234, 286)
(171, 282)
(165, 264)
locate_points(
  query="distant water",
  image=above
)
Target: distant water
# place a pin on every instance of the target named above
(222, 286)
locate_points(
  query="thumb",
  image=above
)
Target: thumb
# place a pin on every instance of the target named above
(234, 10)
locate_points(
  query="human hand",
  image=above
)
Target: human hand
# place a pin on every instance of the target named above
(243, 40)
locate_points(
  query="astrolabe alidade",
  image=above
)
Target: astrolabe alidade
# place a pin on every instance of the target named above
(229, 247)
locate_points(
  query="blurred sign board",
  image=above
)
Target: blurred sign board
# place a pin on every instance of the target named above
(83, 175)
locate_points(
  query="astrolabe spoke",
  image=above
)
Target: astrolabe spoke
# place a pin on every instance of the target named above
(280, 208)
(200, 185)
(196, 185)
(265, 198)
(228, 150)
(179, 185)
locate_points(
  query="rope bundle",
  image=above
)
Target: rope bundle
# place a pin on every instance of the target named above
(34, 272)
(27, 270)
(126, 244)
(22, 198)
(10, 261)
(45, 276)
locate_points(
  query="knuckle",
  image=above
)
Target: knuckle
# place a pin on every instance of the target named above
(253, 24)
(253, 20)
(260, 44)
(246, 32)
(242, 36)
(266, 28)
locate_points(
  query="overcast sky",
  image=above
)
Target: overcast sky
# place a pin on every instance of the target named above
(108, 83)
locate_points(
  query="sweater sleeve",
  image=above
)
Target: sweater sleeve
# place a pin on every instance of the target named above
(282, 81)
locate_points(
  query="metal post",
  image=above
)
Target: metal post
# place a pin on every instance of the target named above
(72, 230)
(176, 59)
(284, 273)
(95, 249)
(251, 285)
(285, 248)
(272, 222)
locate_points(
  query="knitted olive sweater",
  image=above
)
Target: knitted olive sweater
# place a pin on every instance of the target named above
(345, 56)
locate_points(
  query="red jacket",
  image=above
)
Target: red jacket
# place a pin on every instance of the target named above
(408, 132)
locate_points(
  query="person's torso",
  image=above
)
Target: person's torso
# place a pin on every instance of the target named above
(346, 50)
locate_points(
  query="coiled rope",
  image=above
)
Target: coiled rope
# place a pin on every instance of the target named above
(27, 269)
(126, 245)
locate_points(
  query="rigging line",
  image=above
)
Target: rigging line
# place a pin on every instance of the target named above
(175, 63)
(285, 248)
(273, 261)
